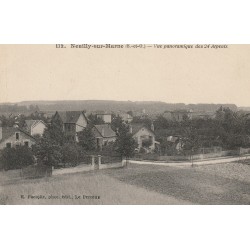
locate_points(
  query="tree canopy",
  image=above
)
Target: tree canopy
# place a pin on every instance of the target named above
(125, 144)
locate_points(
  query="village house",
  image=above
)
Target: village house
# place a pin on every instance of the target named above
(142, 133)
(73, 122)
(126, 117)
(105, 117)
(178, 115)
(45, 114)
(103, 134)
(14, 137)
(203, 115)
(34, 127)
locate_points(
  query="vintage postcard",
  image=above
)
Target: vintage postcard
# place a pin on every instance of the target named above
(125, 124)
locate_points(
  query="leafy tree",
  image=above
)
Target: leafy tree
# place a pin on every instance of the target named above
(130, 113)
(70, 154)
(7, 122)
(94, 120)
(16, 158)
(145, 120)
(167, 147)
(55, 131)
(109, 149)
(116, 123)
(185, 117)
(8, 158)
(219, 114)
(161, 123)
(47, 150)
(191, 139)
(87, 139)
(147, 143)
(24, 156)
(125, 143)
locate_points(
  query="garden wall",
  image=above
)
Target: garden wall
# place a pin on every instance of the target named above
(167, 158)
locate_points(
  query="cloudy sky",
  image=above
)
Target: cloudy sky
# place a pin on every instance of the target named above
(42, 72)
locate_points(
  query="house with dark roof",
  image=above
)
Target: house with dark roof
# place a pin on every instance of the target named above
(103, 134)
(34, 127)
(143, 134)
(14, 137)
(73, 122)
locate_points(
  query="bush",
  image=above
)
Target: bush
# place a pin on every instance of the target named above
(71, 154)
(16, 158)
(36, 171)
(142, 151)
(147, 143)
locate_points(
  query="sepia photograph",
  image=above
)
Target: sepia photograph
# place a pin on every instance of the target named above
(125, 124)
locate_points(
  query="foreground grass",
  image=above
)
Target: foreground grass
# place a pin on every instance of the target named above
(138, 184)
(211, 184)
(82, 188)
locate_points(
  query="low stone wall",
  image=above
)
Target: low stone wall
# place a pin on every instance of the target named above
(111, 165)
(86, 168)
(77, 169)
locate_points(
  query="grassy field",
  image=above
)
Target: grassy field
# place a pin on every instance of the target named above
(145, 184)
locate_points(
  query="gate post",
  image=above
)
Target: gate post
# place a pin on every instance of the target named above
(99, 161)
(93, 162)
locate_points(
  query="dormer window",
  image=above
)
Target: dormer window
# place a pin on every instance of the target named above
(17, 136)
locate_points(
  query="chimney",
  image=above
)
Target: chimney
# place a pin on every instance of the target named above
(1, 131)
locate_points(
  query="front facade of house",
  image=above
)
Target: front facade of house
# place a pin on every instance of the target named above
(73, 122)
(141, 134)
(35, 127)
(14, 137)
(103, 135)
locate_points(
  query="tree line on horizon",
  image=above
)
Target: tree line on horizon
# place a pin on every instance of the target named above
(109, 106)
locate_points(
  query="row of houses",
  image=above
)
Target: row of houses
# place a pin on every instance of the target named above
(183, 114)
(73, 122)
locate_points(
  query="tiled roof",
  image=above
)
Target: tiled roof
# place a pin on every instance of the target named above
(9, 131)
(104, 130)
(137, 126)
(70, 116)
(30, 123)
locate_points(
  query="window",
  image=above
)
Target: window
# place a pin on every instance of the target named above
(17, 136)
(8, 145)
(26, 143)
